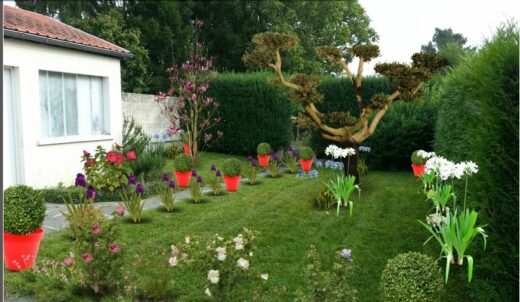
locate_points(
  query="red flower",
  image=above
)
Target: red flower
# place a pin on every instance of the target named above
(112, 157)
(86, 154)
(131, 155)
(90, 163)
(120, 159)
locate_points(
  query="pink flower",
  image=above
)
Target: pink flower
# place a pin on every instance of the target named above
(131, 155)
(207, 137)
(207, 101)
(68, 261)
(193, 96)
(87, 257)
(96, 229)
(220, 133)
(120, 210)
(217, 119)
(114, 248)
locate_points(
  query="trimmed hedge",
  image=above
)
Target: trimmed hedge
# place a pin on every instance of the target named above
(478, 121)
(253, 111)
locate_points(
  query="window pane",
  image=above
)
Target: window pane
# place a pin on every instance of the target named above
(44, 108)
(83, 102)
(71, 108)
(96, 98)
(56, 103)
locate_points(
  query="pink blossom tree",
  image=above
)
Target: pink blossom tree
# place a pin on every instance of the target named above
(193, 110)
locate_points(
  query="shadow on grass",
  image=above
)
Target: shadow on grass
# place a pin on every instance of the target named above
(221, 194)
(162, 209)
(144, 220)
(191, 201)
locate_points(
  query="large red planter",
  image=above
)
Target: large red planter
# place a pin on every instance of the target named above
(263, 160)
(306, 164)
(20, 251)
(231, 182)
(418, 170)
(186, 149)
(183, 178)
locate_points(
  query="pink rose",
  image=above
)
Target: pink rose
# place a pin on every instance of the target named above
(120, 210)
(87, 257)
(68, 261)
(114, 248)
(96, 229)
(131, 155)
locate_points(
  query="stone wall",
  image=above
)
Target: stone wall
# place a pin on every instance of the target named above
(147, 113)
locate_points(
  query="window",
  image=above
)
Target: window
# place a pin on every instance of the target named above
(72, 105)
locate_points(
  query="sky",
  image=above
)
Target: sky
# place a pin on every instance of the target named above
(404, 25)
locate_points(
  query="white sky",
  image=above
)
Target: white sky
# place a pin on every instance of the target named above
(404, 25)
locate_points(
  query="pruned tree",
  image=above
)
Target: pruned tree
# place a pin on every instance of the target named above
(406, 81)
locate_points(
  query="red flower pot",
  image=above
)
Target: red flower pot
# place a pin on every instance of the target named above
(263, 160)
(20, 251)
(306, 164)
(418, 170)
(231, 182)
(183, 178)
(186, 149)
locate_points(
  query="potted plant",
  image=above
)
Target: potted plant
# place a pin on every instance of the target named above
(263, 152)
(24, 212)
(183, 165)
(306, 156)
(185, 139)
(418, 161)
(232, 169)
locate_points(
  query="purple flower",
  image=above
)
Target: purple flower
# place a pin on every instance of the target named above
(295, 153)
(131, 180)
(346, 253)
(80, 180)
(172, 184)
(165, 177)
(290, 149)
(218, 174)
(275, 157)
(271, 152)
(193, 173)
(199, 179)
(139, 189)
(91, 192)
(253, 163)
(250, 157)
(213, 168)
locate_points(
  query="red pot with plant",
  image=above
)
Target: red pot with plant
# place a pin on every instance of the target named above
(183, 165)
(418, 170)
(264, 154)
(306, 156)
(232, 169)
(24, 212)
(418, 162)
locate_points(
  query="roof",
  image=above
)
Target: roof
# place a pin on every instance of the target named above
(26, 25)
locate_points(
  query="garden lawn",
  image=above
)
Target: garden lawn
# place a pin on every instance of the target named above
(383, 224)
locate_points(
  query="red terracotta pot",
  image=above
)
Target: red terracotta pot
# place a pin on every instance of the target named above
(20, 251)
(183, 178)
(263, 160)
(418, 170)
(231, 182)
(306, 164)
(186, 149)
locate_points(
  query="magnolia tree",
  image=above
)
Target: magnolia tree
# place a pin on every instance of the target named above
(193, 110)
(406, 81)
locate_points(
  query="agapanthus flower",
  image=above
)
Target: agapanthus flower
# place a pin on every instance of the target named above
(213, 168)
(114, 248)
(213, 276)
(80, 180)
(139, 188)
(96, 229)
(365, 149)
(313, 173)
(319, 164)
(346, 253)
(171, 184)
(131, 180)
(87, 257)
(165, 177)
(470, 168)
(91, 192)
(243, 263)
(435, 219)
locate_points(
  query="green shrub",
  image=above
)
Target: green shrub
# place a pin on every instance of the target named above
(263, 149)
(149, 163)
(362, 167)
(232, 167)
(412, 277)
(134, 137)
(325, 200)
(478, 121)
(173, 150)
(252, 111)
(306, 153)
(56, 195)
(182, 163)
(418, 160)
(24, 210)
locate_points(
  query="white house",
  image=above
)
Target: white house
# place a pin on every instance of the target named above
(62, 95)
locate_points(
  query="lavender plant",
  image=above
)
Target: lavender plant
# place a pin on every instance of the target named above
(252, 170)
(196, 189)
(132, 198)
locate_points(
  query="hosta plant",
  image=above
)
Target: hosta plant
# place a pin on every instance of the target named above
(290, 159)
(132, 198)
(166, 192)
(342, 188)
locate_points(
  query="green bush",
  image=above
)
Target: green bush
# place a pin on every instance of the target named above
(478, 121)
(263, 149)
(416, 159)
(149, 163)
(252, 111)
(24, 210)
(182, 163)
(412, 277)
(306, 153)
(134, 137)
(232, 167)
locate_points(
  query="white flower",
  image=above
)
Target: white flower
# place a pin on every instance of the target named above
(175, 251)
(350, 151)
(207, 292)
(239, 242)
(470, 168)
(173, 261)
(221, 253)
(187, 239)
(213, 276)
(330, 150)
(435, 219)
(243, 263)
(264, 276)
(250, 254)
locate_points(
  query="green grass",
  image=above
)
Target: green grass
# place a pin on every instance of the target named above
(383, 224)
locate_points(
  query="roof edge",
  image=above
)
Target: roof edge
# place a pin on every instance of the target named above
(66, 44)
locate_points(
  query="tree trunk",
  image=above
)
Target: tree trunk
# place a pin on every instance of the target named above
(350, 163)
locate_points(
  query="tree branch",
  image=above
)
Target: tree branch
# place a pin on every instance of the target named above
(359, 75)
(313, 113)
(347, 70)
(278, 69)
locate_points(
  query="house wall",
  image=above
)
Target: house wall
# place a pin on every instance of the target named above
(49, 162)
(147, 113)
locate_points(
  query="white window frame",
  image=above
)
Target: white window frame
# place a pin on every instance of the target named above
(80, 138)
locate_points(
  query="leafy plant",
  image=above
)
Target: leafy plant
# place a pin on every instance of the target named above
(150, 162)
(183, 163)
(263, 149)
(215, 180)
(173, 150)
(440, 196)
(290, 159)
(195, 188)
(24, 210)
(362, 167)
(252, 171)
(306, 153)
(417, 159)
(79, 213)
(232, 167)
(166, 192)
(342, 188)
(108, 169)
(457, 233)
(132, 199)
(412, 277)
(325, 199)
(274, 165)
(134, 137)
